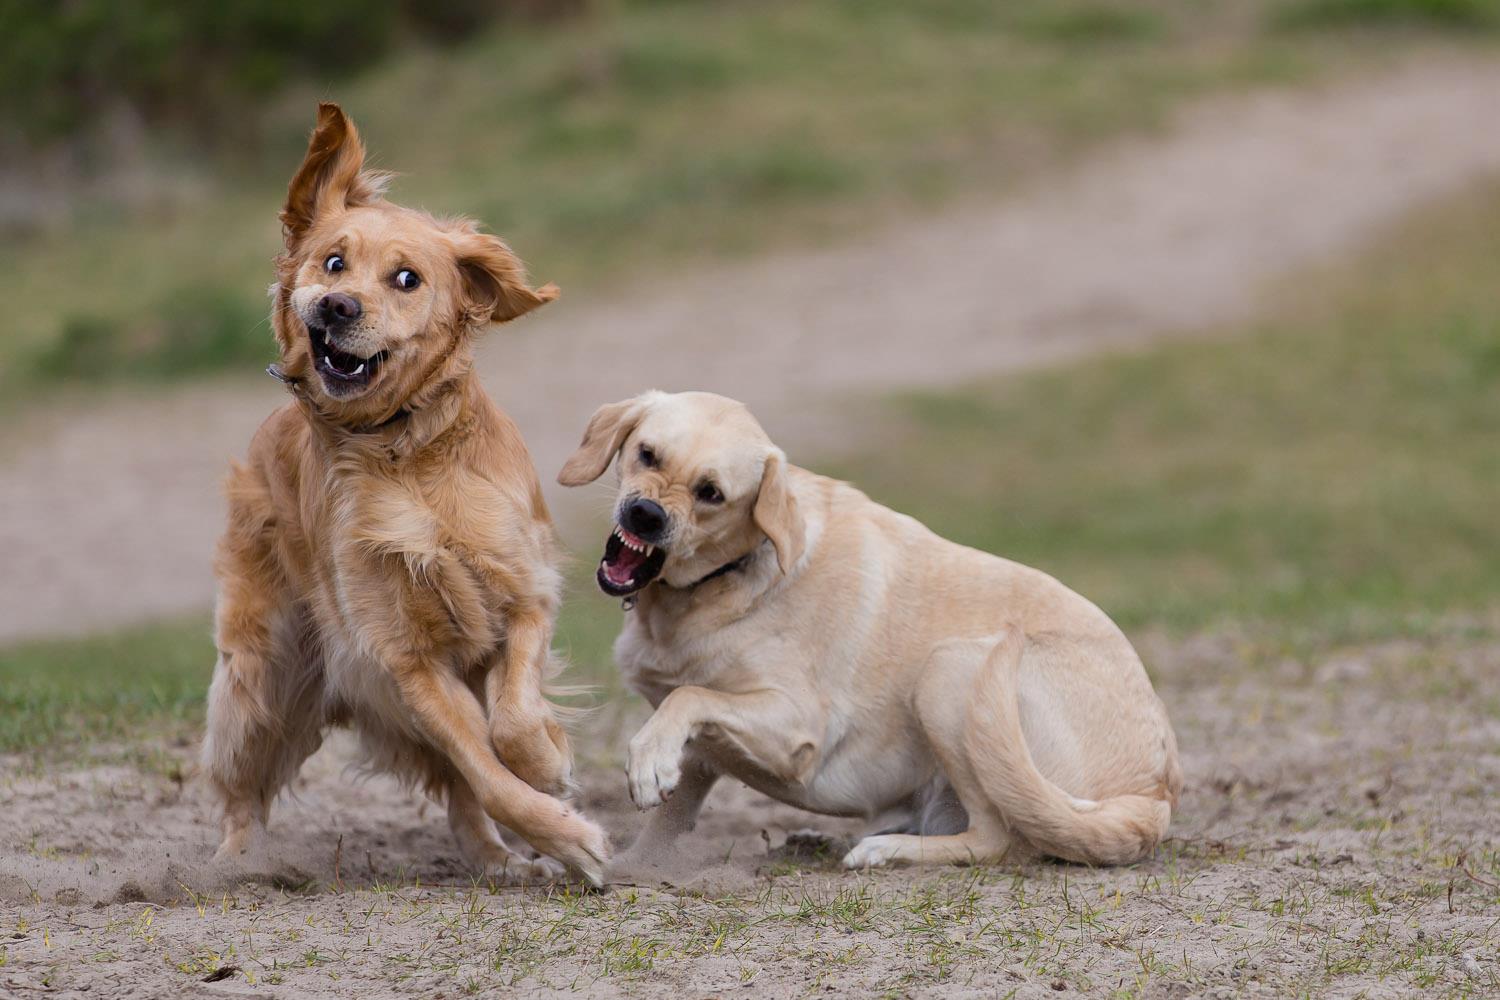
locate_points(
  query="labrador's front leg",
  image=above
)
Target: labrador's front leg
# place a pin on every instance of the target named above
(677, 815)
(773, 731)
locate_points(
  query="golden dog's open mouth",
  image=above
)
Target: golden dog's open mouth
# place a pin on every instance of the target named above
(628, 564)
(339, 368)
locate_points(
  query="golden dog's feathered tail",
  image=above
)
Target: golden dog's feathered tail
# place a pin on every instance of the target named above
(1113, 831)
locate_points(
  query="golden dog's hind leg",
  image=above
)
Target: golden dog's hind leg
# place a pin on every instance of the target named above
(265, 705)
(522, 727)
(265, 717)
(484, 849)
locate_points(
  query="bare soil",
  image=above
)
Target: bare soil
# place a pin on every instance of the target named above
(1337, 837)
(111, 502)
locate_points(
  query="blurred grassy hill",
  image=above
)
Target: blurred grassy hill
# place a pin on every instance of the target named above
(634, 137)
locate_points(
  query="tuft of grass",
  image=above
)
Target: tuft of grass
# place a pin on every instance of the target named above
(1335, 465)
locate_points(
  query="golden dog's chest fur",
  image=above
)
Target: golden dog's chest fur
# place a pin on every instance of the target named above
(390, 553)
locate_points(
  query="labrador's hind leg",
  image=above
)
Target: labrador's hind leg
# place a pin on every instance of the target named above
(942, 711)
(972, 847)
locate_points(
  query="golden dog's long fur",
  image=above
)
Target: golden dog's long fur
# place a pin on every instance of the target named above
(389, 561)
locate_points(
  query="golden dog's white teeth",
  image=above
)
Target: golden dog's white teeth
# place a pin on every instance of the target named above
(360, 369)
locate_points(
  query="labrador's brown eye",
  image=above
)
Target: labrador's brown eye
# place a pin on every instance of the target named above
(407, 279)
(648, 457)
(708, 493)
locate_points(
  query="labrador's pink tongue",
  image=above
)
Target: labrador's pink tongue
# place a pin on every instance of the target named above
(624, 566)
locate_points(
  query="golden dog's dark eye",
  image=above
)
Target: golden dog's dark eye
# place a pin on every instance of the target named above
(648, 457)
(406, 279)
(334, 264)
(708, 493)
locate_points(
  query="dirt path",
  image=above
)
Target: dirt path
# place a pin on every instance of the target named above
(1336, 838)
(110, 510)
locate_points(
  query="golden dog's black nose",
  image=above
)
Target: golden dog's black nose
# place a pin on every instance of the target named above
(336, 309)
(644, 519)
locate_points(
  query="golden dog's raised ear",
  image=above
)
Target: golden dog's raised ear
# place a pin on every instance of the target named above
(777, 515)
(332, 175)
(495, 280)
(608, 428)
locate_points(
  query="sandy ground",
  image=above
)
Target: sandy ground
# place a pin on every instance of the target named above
(111, 504)
(1337, 837)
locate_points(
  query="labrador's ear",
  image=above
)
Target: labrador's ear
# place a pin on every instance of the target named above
(777, 515)
(332, 176)
(495, 280)
(608, 428)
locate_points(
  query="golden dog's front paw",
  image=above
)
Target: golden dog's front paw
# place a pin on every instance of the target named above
(536, 751)
(581, 845)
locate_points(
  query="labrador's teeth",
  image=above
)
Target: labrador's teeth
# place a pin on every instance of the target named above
(360, 369)
(649, 549)
(327, 337)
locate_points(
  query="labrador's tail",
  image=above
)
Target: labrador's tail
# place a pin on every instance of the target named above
(1113, 831)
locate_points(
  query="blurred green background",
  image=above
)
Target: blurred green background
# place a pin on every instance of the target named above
(145, 141)
(1322, 474)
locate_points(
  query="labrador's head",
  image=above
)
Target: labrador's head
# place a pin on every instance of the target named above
(377, 304)
(700, 486)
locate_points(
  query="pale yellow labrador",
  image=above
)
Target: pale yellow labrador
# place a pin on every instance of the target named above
(840, 657)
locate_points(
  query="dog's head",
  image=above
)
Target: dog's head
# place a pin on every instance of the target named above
(377, 304)
(700, 486)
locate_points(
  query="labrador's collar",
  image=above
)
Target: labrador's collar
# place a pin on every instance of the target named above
(629, 602)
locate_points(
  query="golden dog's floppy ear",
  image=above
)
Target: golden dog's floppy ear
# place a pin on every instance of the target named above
(777, 515)
(332, 175)
(608, 428)
(495, 280)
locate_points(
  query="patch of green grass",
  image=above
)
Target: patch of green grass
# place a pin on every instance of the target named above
(1335, 465)
(105, 690)
(631, 139)
(1452, 15)
(1094, 24)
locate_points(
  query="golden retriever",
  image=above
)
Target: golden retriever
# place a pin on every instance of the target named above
(840, 657)
(389, 562)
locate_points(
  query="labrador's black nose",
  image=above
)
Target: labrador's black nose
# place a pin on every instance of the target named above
(336, 309)
(644, 519)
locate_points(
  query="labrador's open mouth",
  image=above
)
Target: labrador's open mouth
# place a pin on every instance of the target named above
(339, 368)
(628, 564)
